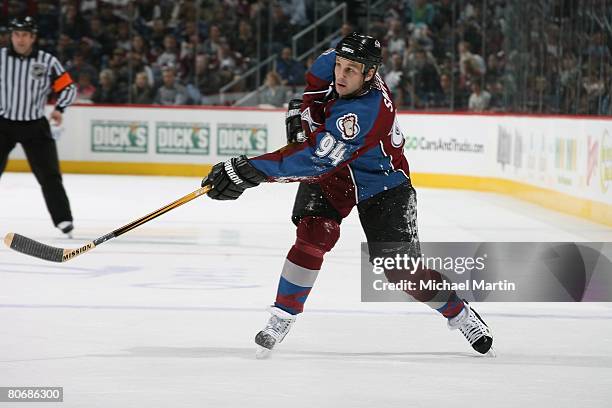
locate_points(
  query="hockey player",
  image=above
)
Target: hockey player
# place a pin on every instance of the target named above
(348, 152)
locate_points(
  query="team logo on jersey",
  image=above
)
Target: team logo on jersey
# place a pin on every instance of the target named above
(348, 125)
(37, 71)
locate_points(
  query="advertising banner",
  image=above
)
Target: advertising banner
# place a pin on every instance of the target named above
(572, 156)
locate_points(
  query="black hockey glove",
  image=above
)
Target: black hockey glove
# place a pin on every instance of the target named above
(229, 179)
(293, 122)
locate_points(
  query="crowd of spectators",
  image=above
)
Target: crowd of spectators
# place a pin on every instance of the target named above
(163, 51)
(494, 55)
(548, 56)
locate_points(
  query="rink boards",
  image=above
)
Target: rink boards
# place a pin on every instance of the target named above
(562, 163)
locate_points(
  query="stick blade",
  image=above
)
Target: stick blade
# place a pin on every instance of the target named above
(33, 248)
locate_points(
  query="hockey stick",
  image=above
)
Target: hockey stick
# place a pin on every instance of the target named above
(34, 248)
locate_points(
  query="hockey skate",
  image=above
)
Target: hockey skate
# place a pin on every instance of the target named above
(66, 227)
(275, 331)
(474, 329)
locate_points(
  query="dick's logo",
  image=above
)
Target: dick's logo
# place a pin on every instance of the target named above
(182, 138)
(119, 137)
(241, 139)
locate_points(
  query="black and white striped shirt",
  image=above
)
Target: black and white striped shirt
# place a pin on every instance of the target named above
(26, 82)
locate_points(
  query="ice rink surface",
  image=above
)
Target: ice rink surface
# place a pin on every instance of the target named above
(165, 315)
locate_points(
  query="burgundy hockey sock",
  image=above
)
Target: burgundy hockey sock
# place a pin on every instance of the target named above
(297, 279)
(452, 307)
(444, 301)
(315, 237)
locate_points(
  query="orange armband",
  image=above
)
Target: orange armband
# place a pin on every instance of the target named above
(62, 82)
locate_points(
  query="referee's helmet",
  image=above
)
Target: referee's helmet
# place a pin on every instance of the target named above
(23, 24)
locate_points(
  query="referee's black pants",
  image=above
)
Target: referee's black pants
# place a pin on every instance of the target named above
(41, 152)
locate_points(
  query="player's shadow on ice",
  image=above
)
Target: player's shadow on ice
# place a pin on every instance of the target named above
(249, 353)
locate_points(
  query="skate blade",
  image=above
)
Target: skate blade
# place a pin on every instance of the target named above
(491, 353)
(262, 353)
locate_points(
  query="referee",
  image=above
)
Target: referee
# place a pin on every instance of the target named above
(27, 76)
